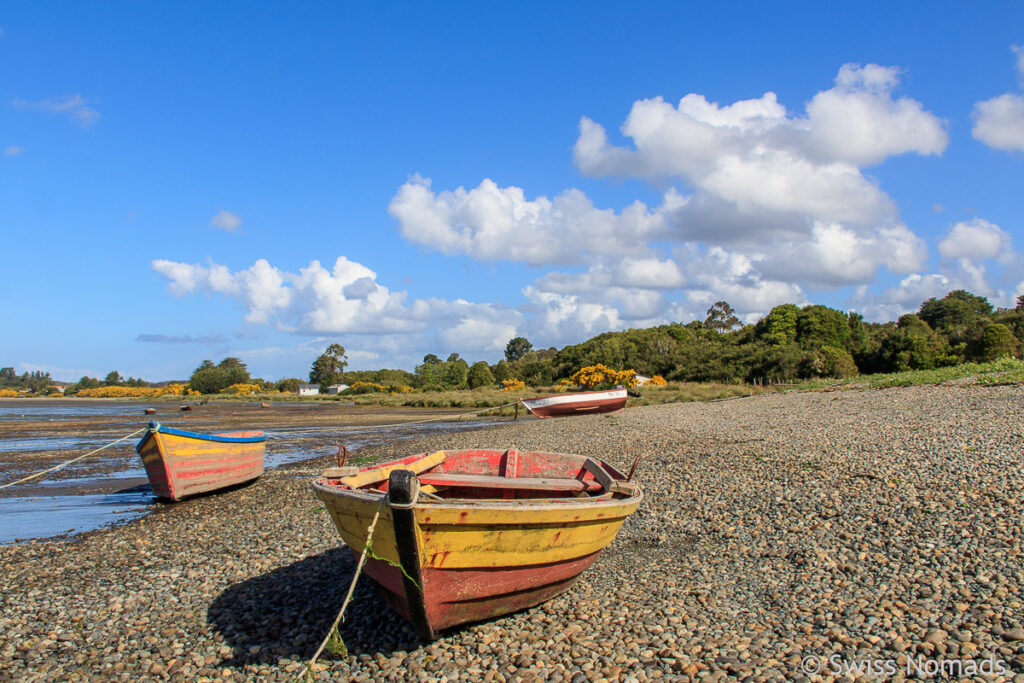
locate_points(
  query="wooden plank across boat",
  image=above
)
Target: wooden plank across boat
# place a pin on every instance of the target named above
(180, 463)
(577, 403)
(467, 535)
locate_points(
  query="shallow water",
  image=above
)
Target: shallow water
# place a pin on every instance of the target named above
(25, 518)
(28, 518)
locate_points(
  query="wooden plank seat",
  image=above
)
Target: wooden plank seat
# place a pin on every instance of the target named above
(484, 481)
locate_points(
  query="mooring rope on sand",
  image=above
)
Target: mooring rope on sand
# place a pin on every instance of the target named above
(68, 462)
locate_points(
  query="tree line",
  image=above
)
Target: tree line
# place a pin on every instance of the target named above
(790, 343)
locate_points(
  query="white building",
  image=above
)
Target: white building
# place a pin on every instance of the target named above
(309, 389)
(336, 388)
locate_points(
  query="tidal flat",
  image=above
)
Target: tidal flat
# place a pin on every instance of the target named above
(778, 531)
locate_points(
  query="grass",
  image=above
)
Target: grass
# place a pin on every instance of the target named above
(1002, 371)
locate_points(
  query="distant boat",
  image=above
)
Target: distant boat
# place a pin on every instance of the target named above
(181, 463)
(468, 535)
(264, 405)
(150, 411)
(579, 403)
(187, 408)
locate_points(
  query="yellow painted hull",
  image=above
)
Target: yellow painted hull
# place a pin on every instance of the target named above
(181, 464)
(476, 559)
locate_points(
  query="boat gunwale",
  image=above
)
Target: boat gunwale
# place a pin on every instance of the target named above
(497, 504)
(157, 428)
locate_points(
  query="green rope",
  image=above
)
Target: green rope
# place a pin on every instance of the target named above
(333, 643)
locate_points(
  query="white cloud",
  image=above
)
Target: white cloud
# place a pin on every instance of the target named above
(225, 220)
(782, 195)
(752, 153)
(858, 122)
(564, 318)
(13, 150)
(492, 223)
(74, 106)
(999, 122)
(975, 240)
(343, 300)
(978, 257)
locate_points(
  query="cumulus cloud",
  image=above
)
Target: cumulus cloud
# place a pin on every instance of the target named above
(74, 107)
(778, 203)
(976, 240)
(999, 122)
(492, 223)
(13, 150)
(977, 256)
(226, 221)
(345, 299)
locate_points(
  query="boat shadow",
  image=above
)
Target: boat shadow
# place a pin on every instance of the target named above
(287, 612)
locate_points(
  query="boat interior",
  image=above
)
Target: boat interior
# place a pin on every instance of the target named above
(475, 474)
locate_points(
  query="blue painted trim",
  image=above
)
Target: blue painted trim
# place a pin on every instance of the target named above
(155, 427)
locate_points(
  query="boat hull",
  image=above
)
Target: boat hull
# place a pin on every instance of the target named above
(443, 564)
(580, 403)
(181, 463)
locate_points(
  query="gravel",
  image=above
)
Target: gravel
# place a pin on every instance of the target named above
(870, 525)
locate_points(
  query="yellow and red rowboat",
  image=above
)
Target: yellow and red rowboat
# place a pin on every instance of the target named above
(180, 463)
(468, 535)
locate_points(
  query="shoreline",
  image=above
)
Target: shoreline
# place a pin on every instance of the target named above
(864, 523)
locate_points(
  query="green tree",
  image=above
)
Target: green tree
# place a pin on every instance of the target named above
(517, 348)
(721, 317)
(235, 371)
(454, 374)
(779, 326)
(428, 375)
(480, 375)
(997, 341)
(820, 326)
(501, 370)
(112, 379)
(289, 384)
(431, 359)
(329, 367)
(208, 378)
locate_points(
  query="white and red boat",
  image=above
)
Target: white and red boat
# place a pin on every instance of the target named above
(579, 403)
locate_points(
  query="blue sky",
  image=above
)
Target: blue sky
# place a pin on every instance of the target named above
(184, 181)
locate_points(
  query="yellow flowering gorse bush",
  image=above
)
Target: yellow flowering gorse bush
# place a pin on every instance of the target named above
(657, 381)
(512, 384)
(8, 393)
(243, 388)
(594, 376)
(134, 392)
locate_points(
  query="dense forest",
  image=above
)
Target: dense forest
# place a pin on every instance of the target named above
(790, 343)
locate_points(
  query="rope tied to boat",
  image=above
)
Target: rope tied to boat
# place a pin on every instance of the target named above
(332, 634)
(76, 459)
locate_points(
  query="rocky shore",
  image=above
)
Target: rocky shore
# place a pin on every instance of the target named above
(783, 537)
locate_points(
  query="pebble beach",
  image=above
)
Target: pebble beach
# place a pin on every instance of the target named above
(782, 537)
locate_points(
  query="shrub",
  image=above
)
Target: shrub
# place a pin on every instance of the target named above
(512, 384)
(657, 381)
(598, 376)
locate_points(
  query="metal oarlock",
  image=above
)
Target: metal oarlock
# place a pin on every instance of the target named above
(342, 455)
